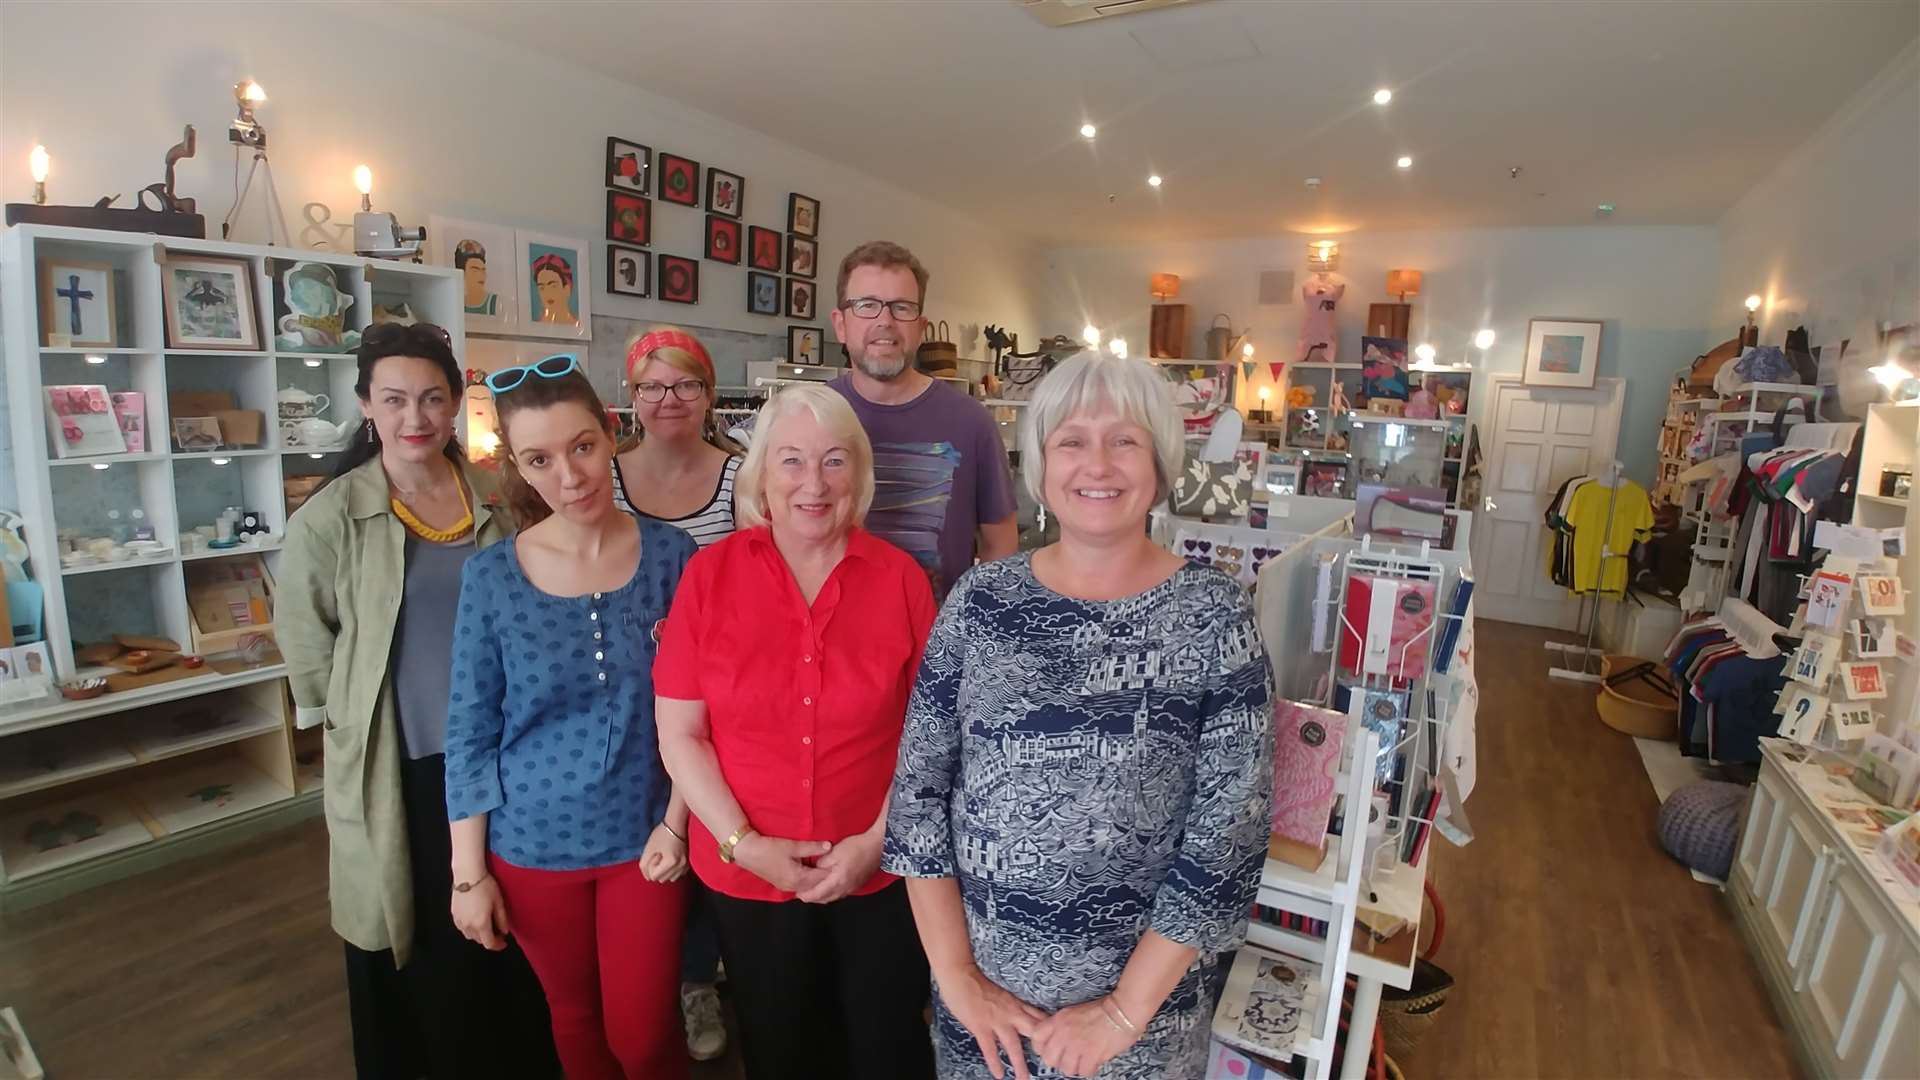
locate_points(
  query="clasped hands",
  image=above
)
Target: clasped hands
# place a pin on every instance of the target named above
(815, 871)
(1078, 1040)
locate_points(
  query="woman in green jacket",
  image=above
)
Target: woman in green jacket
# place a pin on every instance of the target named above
(365, 614)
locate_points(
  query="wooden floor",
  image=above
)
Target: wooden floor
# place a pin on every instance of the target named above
(1581, 950)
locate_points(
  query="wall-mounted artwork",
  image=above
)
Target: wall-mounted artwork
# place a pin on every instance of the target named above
(763, 293)
(1562, 352)
(726, 192)
(629, 218)
(310, 308)
(679, 279)
(802, 256)
(555, 274)
(1384, 368)
(763, 248)
(803, 215)
(76, 303)
(804, 344)
(679, 179)
(629, 271)
(209, 302)
(629, 165)
(484, 255)
(723, 239)
(799, 299)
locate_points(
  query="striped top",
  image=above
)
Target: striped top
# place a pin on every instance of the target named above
(706, 525)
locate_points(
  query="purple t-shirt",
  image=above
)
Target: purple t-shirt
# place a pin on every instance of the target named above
(939, 470)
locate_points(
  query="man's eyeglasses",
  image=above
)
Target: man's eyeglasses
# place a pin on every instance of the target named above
(685, 390)
(553, 367)
(868, 307)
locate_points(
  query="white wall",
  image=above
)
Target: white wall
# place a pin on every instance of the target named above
(1651, 286)
(1830, 236)
(451, 123)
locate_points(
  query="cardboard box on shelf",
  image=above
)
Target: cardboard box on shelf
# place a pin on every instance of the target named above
(228, 597)
(238, 427)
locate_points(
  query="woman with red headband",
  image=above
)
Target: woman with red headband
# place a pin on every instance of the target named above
(679, 470)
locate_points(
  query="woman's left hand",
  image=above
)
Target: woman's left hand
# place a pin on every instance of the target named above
(851, 862)
(665, 859)
(1080, 1039)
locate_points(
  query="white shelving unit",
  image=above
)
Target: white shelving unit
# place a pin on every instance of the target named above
(1754, 406)
(86, 787)
(1892, 438)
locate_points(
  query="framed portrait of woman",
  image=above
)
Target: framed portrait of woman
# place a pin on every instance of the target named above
(556, 281)
(484, 254)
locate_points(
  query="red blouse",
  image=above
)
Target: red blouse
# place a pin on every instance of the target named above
(804, 705)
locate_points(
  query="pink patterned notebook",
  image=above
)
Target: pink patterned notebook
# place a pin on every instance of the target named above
(1306, 759)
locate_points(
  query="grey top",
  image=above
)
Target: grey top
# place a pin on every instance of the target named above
(423, 643)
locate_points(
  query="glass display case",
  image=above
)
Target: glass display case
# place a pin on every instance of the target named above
(1397, 451)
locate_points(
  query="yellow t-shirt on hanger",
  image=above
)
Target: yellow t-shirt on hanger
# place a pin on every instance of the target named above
(1587, 514)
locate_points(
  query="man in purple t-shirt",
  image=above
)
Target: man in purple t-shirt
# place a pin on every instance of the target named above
(942, 489)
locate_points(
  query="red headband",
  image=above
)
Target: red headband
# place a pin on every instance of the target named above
(669, 339)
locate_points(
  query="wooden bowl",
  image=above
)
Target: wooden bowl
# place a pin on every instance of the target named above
(82, 689)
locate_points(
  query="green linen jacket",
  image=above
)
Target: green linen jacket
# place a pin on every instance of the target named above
(342, 575)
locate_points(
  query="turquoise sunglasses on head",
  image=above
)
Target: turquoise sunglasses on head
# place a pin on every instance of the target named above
(552, 367)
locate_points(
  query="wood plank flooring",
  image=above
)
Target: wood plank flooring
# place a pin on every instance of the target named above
(1581, 950)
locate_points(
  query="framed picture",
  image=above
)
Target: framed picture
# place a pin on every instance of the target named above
(803, 215)
(554, 272)
(1383, 371)
(763, 248)
(209, 302)
(679, 279)
(804, 344)
(763, 293)
(802, 255)
(629, 218)
(76, 303)
(629, 271)
(196, 434)
(723, 239)
(629, 165)
(1562, 352)
(483, 254)
(726, 192)
(799, 299)
(679, 179)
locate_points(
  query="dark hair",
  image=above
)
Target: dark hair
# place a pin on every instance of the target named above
(424, 340)
(466, 252)
(555, 263)
(884, 254)
(538, 392)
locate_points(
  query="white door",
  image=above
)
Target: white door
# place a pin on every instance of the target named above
(1542, 436)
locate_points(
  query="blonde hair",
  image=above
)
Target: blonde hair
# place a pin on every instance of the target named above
(686, 364)
(1089, 380)
(832, 412)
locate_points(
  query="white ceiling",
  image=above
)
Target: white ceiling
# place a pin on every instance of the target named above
(1670, 110)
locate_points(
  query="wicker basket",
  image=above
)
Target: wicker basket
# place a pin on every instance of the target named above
(1405, 1015)
(1637, 702)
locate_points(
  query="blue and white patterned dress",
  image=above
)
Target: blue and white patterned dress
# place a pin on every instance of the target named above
(1089, 771)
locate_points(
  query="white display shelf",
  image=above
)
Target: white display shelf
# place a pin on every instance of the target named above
(228, 553)
(61, 711)
(323, 451)
(208, 455)
(219, 354)
(123, 564)
(1883, 500)
(114, 351)
(109, 459)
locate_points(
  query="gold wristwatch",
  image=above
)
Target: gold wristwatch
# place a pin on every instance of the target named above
(727, 845)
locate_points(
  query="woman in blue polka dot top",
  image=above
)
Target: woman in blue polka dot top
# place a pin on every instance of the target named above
(566, 831)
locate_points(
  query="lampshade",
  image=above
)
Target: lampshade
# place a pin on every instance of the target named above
(1323, 255)
(1403, 283)
(1164, 286)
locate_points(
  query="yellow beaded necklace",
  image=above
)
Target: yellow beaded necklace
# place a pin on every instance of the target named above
(428, 533)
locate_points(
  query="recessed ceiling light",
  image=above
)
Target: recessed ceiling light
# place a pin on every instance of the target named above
(1382, 96)
(1087, 131)
(1483, 340)
(1154, 180)
(1404, 162)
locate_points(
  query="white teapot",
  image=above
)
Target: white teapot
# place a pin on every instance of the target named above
(297, 404)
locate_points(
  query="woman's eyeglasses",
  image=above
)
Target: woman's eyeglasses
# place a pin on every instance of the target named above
(868, 307)
(553, 367)
(653, 392)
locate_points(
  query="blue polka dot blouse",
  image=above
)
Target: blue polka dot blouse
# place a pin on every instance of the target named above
(550, 723)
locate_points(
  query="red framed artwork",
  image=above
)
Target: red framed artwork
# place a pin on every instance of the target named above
(629, 218)
(763, 248)
(723, 239)
(679, 279)
(679, 179)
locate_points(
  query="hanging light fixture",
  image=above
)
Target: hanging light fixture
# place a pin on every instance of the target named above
(1403, 283)
(1164, 286)
(1323, 255)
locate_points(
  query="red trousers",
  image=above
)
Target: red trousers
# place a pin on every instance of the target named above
(605, 943)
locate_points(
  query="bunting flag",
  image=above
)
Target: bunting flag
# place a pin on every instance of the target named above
(1277, 367)
(1246, 370)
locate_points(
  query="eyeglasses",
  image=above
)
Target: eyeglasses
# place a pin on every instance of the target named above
(553, 367)
(868, 307)
(685, 390)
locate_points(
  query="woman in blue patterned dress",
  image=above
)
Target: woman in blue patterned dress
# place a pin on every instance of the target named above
(1081, 806)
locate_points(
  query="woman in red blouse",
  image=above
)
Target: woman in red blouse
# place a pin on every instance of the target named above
(783, 674)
